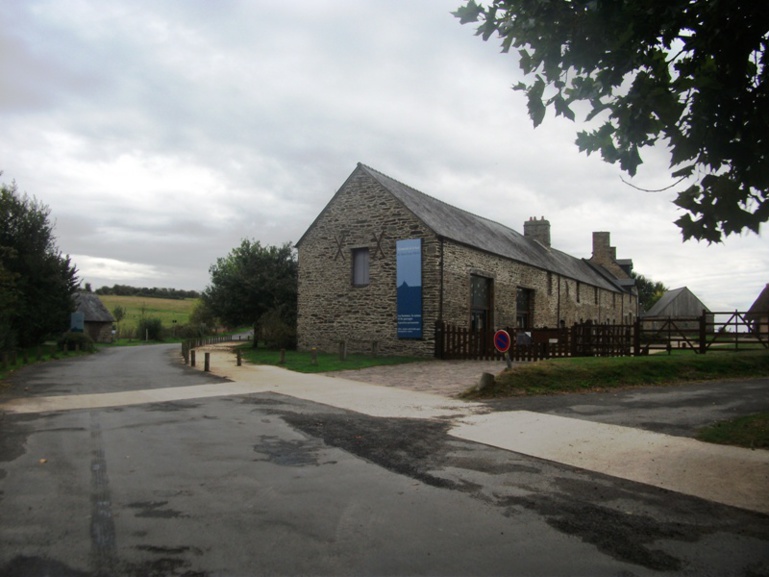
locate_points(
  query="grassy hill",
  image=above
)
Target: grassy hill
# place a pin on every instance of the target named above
(167, 310)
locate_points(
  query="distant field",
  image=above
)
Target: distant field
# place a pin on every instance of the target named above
(167, 310)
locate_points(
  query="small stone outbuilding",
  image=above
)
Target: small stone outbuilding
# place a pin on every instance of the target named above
(383, 262)
(758, 314)
(97, 320)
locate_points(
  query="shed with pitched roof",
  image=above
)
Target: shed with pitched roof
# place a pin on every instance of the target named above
(680, 305)
(758, 313)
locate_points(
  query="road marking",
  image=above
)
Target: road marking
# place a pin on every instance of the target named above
(730, 475)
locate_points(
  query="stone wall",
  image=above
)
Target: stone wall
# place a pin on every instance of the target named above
(555, 298)
(330, 309)
(99, 332)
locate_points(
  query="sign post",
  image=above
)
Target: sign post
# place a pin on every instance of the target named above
(502, 344)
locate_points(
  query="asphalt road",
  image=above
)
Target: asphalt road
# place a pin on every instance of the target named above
(266, 484)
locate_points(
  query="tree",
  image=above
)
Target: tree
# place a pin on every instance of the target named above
(119, 313)
(36, 278)
(690, 73)
(202, 317)
(252, 281)
(649, 291)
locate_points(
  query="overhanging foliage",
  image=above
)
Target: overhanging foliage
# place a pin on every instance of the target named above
(689, 73)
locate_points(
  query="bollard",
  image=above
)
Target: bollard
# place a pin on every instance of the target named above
(282, 360)
(192, 357)
(313, 356)
(374, 348)
(239, 357)
(342, 350)
(207, 362)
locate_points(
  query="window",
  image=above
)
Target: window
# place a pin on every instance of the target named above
(481, 291)
(360, 267)
(524, 305)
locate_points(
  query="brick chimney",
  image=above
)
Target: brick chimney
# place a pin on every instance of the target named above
(537, 229)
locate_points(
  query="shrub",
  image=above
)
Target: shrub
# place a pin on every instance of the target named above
(193, 331)
(150, 329)
(70, 341)
(276, 332)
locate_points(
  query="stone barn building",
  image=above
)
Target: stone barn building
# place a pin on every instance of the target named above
(383, 262)
(97, 319)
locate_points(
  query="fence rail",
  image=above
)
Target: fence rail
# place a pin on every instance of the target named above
(191, 344)
(709, 332)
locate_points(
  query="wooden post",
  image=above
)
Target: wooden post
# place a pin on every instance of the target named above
(703, 332)
(192, 357)
(207, 362)
(343, 350)
(238, 355)
(637, 337)
(313, 356)
(374, 348)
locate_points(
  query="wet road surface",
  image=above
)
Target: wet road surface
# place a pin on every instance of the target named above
(263, 483)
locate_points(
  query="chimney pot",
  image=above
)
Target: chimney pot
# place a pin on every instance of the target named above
(537, 229)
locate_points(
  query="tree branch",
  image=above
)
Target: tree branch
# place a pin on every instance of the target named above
(676, 183)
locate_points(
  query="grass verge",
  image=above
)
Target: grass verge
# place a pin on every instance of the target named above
(572, 375)
(47, 353)
(751, 431)
(302, 361)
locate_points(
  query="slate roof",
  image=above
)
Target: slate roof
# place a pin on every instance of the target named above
(669, 297)
(481, 233)
(92, 308)
(761, 304)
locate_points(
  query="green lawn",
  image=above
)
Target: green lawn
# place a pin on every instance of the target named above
(167, 310)
(326, 362)
(751, 431)
(570, 375)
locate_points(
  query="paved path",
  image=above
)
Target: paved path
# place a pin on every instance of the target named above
(438, 377)
(729, 475)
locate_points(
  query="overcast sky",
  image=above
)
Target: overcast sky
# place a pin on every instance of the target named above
(161, 133)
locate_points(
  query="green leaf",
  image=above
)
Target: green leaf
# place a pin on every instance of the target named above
(562, 108)
(468, 13)
(536, 108)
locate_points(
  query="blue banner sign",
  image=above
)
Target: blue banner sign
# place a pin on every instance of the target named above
(409, 279)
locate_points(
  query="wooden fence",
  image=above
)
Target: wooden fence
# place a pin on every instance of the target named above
(191, 344)
(708, 332)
